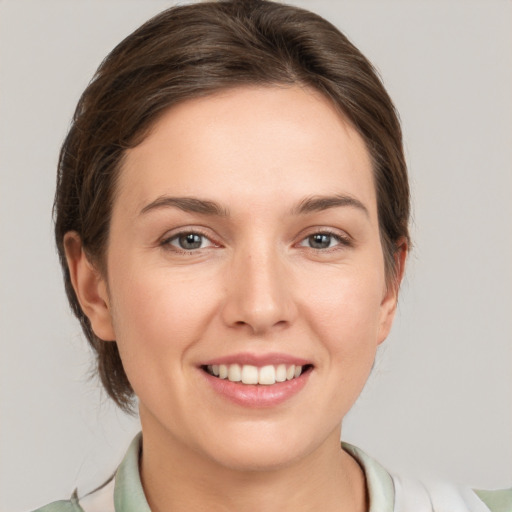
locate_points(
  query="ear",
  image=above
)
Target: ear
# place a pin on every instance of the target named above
(90, 287)
(390, 299)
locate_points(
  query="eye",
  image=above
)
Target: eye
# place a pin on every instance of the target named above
(323, 241)
(188, 241)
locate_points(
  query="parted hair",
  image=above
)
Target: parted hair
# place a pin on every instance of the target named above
(194, 50)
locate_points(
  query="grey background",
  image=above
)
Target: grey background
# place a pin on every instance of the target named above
(440, 398)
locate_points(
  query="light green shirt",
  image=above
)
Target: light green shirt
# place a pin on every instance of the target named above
(124, 492)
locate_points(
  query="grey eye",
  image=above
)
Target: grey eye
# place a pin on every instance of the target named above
(188, 241)
(325, 240)
(321, 240)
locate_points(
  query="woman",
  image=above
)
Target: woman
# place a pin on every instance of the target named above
(232, 219)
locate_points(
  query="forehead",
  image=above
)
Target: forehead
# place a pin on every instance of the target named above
(248, 145)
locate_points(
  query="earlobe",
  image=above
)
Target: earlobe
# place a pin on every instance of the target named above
(390, 300)
(90, 287)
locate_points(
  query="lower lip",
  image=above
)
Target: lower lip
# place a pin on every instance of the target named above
(257, 396)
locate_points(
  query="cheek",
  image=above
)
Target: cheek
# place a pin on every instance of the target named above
(157, 315)
(347, 301)
(158, 321)
(345, 315)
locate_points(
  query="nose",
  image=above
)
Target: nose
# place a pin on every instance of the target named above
(259, 292)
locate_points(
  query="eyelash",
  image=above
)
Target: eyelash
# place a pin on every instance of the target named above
(342, 241)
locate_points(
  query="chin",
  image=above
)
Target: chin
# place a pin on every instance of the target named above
(256, 459)
(266, 450)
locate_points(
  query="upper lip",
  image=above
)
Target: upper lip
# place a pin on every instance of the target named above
(257, 360)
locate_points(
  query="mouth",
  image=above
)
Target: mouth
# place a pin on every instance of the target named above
(267, 375)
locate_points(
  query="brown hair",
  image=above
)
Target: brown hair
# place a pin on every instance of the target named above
(191, 51)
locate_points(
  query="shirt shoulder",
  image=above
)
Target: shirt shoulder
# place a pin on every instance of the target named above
(438, 496)
(497, 501)
(389, 492)
(70, 505)
(122, 491)
(100, 500)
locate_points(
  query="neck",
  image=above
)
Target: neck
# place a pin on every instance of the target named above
(177, 479)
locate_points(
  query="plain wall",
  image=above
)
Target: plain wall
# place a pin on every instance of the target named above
(440, 397)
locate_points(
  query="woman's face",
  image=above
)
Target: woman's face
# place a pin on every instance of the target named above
(244, 240)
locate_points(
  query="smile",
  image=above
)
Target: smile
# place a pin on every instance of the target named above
(257, 381)
(249, 374)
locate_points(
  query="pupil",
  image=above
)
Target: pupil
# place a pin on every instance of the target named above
(190, 241)
(320, 241)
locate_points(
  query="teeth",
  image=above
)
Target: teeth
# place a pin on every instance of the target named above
(267, 375)
(234, 373)
(281, 373)
(249, 374)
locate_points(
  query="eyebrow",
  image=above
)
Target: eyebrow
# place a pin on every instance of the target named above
(320, 203)
(206, 207)
(187, 204)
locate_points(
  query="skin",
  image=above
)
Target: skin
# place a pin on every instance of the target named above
(257, 285)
